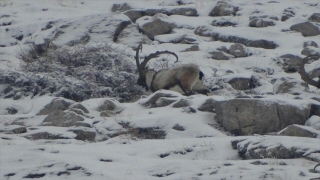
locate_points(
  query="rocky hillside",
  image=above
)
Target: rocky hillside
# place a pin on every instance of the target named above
(70, 106)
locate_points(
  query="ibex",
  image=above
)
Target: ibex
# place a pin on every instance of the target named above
(186, 79)
(304, 75)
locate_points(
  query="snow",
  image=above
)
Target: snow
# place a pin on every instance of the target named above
(201, 151)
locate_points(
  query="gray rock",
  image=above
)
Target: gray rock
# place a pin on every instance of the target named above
(13, 129)
(184, 11)
(299, 131)
(207, 31)
(238, 50)
(83, 124)
(62, 119)
(291, 63)
(134, 14)
(84, 134)
(55, 105)
(310, 43)
(240, 83)
(192, 48)
(258, 116)
(315, 109)
(107, 113)
(45, 135)
(289, 85)
(307, 51)
(208, 106)
(223, 22)
(287, 13)
(120, 7)
(220, 55)
(178, 127)
(164, 101)
(306, 29)
(159, 24)
(79, 106)
(223, 8)
(78, 111)
(108, 105)
(315, 17)
(181, 103)
(264, 17)
(276, 147)
(12, 110)
(151, 102)
(261, 23)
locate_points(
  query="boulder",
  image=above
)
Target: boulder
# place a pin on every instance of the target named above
(277, 147)
(110, 105)
(287, 13)
(83, 124)
(12, 110)
(164, 101)
(152, 99)
(120, 7)
(223, 8)
(310, 50)
(207, 106)
(220, 55)
(291, 63)
(79, 106)
(156, 25)
(315, 17)
(314, 122)
(181, 103)
(45, 135)
(259, 116)
(134, 14)
(306, 29)
(84, 134)
(13, 129)
(184, 11)
(240, 83)
(238, 50)
(261, 23)
(310, 43)
(55, 105)
(107, 113)
(290, 85)
(264, 17)
(299, 131)
(62, 119)
(223, 22)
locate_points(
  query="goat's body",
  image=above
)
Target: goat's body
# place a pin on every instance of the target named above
(185, 79)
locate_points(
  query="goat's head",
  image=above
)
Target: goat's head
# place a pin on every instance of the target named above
(142, 80)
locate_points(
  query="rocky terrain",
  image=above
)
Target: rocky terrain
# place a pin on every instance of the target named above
(70, 107)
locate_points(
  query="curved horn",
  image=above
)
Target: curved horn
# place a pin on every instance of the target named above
(155, 55)
(304, 75)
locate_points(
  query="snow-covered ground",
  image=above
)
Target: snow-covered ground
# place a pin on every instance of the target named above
(202, 149)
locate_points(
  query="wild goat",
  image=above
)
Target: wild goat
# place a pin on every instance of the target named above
(185, 79)
(304, 75)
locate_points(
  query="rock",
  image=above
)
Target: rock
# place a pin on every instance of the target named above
(289, 85)
(55, 105)
(288, 13)
(181, 103)
(152, 99)
(13, 129)
(184, 11)
(156, 25)
(240, 83)
(264, 17)
(261, 23)
(120, 7)
(315, 109)
(277, 147)
(208, 106)
(45, 135)
(84, 134)
(238, 50)
(291, 63)
(306, 29)
(223, 22)
(223, 8)
(192, 48)
(109, 105)
(83, 124)
(299, 131)
(314, 122)
(178, 127)
(307, 51)
(310, 43)
(220, 55)
(207, 31)
(107, 113)
(315, 17)
(132, 32)
(79, 106)
(134, 14)
(164, 101)
(12, 110)
(258, 116)
(148, 133)
(62, 119)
